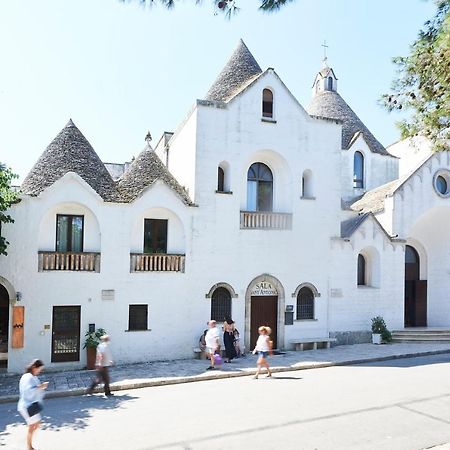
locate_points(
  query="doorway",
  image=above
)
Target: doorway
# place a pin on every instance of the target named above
(415, 291)
(264, 311)
(66, 333)
(4, 326)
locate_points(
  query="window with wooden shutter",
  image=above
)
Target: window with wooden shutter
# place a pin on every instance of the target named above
(138, 318)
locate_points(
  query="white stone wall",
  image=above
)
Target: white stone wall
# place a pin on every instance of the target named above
(378, 169)
(353, 306)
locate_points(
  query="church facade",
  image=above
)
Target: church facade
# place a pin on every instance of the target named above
(255, 208)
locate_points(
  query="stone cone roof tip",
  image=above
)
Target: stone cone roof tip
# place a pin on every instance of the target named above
(143, 172)
(70, 151)
(238, 71)
(331, 105)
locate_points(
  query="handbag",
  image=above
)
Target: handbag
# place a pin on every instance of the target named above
(217, 359)
(34, 408)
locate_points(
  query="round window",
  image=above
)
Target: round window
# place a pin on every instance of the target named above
(442, 183)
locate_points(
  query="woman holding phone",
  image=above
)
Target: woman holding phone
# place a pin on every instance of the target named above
(31, 397)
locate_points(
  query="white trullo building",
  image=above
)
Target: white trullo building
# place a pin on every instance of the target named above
(255, 208)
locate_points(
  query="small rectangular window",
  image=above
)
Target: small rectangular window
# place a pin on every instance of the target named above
(138, 318)
(69, 233)
(155, 235)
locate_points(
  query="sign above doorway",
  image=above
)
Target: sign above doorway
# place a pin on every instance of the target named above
(263, 288)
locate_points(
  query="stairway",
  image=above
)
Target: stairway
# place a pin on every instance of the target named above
(421, 335)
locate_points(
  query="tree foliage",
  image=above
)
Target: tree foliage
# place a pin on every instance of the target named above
(227, 7)
(7, 198)
(422, 85)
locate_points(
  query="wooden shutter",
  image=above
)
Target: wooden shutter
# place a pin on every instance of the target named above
(18, 326)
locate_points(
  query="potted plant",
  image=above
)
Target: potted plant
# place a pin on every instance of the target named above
(92, 339)
(379, 330)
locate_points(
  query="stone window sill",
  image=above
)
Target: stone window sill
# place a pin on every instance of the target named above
(137, 331)
(307, 198)
(225, 192)
(363, 286)
(306, 320)
(268, 120)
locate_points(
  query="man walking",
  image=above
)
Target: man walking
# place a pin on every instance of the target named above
(102, 363)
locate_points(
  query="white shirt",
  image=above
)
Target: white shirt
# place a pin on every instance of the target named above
(262, 344)
(29, 391)
(104, 357)
(211, 338)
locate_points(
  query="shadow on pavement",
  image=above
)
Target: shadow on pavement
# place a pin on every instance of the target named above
(74, 414)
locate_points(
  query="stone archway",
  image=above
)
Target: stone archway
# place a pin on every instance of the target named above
(265, 286)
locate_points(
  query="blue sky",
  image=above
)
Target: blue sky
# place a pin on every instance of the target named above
(118, 69)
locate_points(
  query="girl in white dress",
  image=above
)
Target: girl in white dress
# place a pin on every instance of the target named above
(263, 348)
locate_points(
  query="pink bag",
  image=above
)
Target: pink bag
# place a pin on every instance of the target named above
(217, 359)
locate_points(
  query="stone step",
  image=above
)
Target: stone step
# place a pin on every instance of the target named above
(421, 339)
(423, 331)
(420, 334)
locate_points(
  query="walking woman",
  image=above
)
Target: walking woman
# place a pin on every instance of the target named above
(263, 348)
(228, 339)
(31, 392)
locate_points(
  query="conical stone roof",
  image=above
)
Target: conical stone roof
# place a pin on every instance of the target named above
(240, 69)
(70, 151)
(143, 172)
(331, 105)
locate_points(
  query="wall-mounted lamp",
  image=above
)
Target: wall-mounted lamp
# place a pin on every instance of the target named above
(18, 296)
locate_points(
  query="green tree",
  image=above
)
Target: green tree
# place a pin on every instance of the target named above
(7, 197)
(422, 84)
(228, 7)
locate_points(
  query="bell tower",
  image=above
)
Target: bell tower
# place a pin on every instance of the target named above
(325, 79)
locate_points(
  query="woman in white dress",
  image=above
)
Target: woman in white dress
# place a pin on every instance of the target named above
(31, 398)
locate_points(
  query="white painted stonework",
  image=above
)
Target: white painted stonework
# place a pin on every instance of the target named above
(309, 251)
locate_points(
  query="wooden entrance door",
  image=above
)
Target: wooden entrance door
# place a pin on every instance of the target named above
(4, 325)
(66, 333)
(415, 291)
(263, 311)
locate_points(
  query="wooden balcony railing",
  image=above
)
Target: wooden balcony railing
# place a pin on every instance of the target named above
(156, 262)
(262, 220)
(74, 261)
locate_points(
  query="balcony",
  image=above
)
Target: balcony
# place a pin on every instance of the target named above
(71, 261)
(263, 220)
(156, 262)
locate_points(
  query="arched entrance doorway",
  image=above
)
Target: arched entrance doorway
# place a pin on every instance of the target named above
(4, 326)
(415, 290)
(264, 305)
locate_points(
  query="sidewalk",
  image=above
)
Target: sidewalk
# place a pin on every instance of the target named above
(135, 376)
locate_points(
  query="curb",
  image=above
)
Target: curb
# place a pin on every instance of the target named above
(219, 376)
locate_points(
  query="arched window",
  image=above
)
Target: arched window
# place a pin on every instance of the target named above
(361, 270)
(220, 304)
(305, 304)
(358, 170)
(330, 83)
(259, 188)
(307, 184)
(220, 179)
(267, 103)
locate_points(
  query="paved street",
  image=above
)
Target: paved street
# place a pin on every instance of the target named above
(154, 373)
(401, 404)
